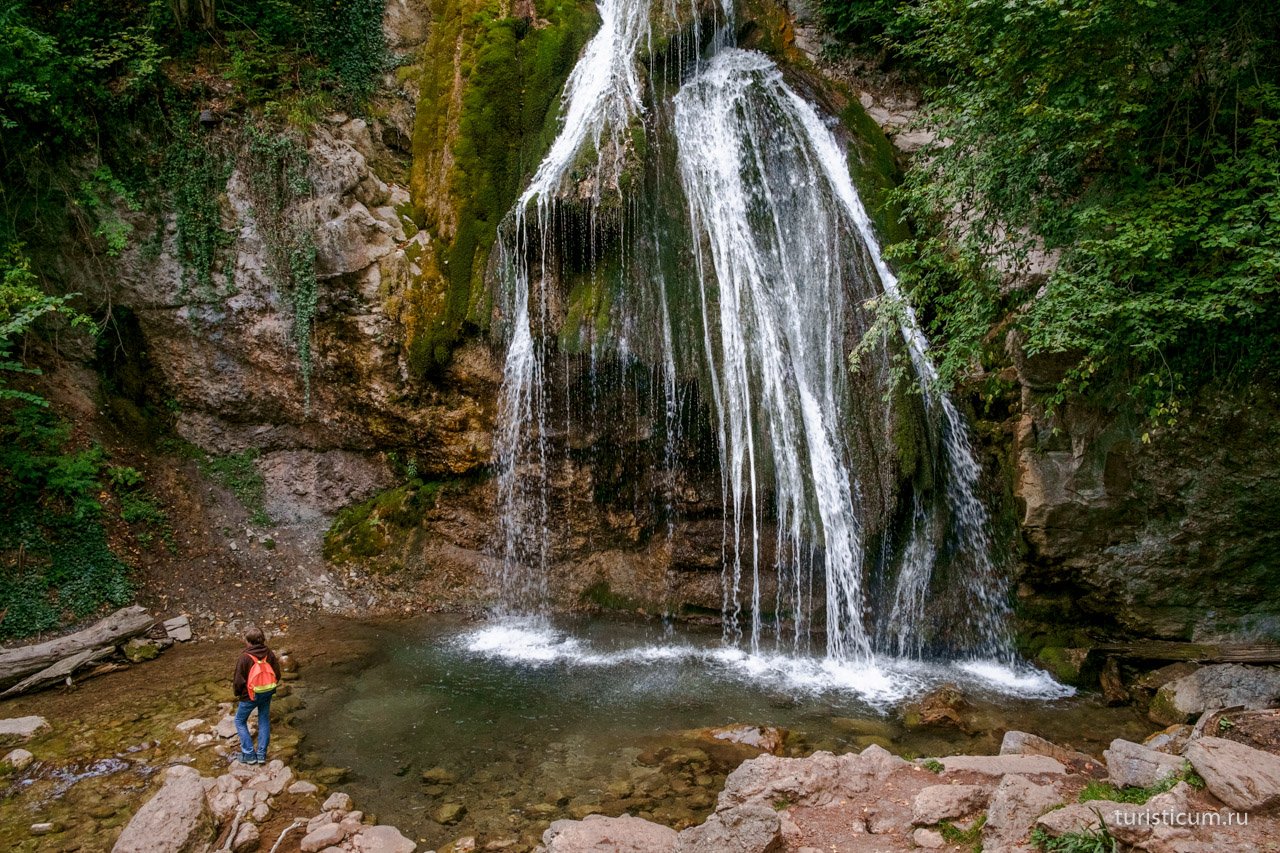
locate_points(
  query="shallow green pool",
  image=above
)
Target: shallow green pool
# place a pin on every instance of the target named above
(523, 723)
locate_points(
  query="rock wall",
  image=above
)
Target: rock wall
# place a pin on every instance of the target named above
(1168, 537)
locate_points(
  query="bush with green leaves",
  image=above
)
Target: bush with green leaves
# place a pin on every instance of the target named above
(55, 561)
(1133, 141)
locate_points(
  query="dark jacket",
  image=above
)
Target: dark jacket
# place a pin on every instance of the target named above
(240, 682)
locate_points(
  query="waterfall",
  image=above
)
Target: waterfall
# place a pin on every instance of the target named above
(783, 258)
(601, 95)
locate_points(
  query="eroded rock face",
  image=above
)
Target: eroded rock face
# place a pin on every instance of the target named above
(1164, 538)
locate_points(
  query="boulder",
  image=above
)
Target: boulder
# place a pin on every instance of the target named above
(748, 828)
(1024, 743)
(21, 728)
(1171, 740)
(1142, 827)
(188, 726)
(337, 801)
(226, 727)
(247, 838)
(1132, 765)
(599, 834)
(18, 759)
(817, 780)
(303, 787)
(140, 649)
(175, 820)
(178, 628)
(325, 835)
(1016, 804)
(1244, 778)
(382, 839)
(937, 803)
(1220, 686)
(929, 839)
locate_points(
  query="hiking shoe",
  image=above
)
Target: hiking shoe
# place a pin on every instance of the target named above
(248, 758)
(260, 758)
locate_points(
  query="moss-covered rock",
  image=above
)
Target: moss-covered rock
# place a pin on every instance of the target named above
(489, 94)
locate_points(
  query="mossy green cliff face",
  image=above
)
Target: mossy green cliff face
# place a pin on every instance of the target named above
(490, 85)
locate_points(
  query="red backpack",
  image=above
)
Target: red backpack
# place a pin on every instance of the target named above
(262, 678)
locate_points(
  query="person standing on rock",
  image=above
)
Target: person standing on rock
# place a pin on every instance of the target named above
(255, 681)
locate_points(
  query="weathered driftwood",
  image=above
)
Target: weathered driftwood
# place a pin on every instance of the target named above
(60, 670)
(125, 623)
(1163, 650)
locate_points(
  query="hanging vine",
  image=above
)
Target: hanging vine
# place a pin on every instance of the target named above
(276, 166)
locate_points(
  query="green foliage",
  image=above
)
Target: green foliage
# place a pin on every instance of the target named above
(970, 837)
(239, 473)
(348, 38)
(1137, 140)
(55, 563)
(101, 196)
(124, 477)
(1099, 840)
(278, 182)
(22, 304)
(933, 765)
(195, 172)
(879, 22)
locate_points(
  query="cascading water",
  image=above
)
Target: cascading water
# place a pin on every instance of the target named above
(784, 257)
(601, 95)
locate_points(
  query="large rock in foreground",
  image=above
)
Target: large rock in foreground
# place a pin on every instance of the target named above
(748, 828)
(175, 820)
(1132, 765)
(599, 834)
(1244, 778)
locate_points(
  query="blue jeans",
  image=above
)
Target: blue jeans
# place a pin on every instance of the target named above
(262, 703)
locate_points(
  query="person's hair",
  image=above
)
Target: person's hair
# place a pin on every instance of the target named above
(254, 636)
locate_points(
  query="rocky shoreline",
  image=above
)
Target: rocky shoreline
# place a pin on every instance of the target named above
(1182, 792)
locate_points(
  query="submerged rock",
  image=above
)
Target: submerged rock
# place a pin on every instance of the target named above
(768, 739)
(449, 814)
(22, 728)
(942, 707)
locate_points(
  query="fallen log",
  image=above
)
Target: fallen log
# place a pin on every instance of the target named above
(60, 670)
(1167, 650)
(125, 623)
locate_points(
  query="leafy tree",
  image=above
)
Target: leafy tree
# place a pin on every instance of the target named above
(1132, 140)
